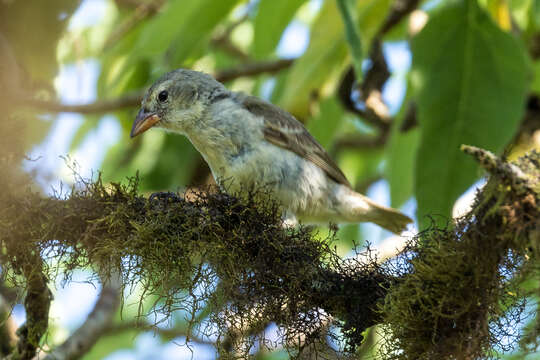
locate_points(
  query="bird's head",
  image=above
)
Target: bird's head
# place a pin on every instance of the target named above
(176, 101)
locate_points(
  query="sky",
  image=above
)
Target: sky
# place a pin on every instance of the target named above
(76, 84)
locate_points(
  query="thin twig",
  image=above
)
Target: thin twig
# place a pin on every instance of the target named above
(359, 142)
(400, 9)
(166, 333)
(97, 322)
(225, 44)
(352, 36)
(497, 166)
(134, 99)
(223, 40)
(143, 11)
(253, 69)
(374, 111)
(371, 88)
(100, 106)
(130, 3)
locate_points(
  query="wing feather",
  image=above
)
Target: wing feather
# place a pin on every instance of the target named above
(283, 130)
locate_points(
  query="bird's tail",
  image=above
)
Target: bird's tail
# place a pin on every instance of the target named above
(386, 217)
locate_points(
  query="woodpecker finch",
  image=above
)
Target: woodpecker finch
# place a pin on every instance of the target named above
(250, 142)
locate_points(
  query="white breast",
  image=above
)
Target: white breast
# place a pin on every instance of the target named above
(232, 143)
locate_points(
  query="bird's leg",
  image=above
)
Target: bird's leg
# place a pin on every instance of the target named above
(166, 196)
(289, 220)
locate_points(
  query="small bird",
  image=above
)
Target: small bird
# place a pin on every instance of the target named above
(250, 142)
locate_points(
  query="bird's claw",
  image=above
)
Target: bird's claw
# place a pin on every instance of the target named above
(166, 196)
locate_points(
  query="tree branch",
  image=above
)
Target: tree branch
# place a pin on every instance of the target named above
(223, 40)
(359, 142)
(174, 245)
(143, 10)
(252, 69)
(97, 322)
(373, 109)
(165, 333)
(135, 98)
(100, 106)
(168, 243)
(400, 9)
(36, 303)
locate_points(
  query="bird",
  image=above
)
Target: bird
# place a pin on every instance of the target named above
(248, 142)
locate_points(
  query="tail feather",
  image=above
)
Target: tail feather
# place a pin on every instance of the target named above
(388, 218)
(365, 209)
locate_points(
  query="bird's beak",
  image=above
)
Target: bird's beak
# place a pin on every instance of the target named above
(143, 122)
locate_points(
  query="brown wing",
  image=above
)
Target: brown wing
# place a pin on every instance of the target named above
(283, 130)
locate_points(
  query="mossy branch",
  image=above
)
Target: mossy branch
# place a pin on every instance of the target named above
(173, 246)
(447, 295)
(36, 303)
(460, 294)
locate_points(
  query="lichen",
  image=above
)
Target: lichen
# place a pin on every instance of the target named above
(452, 293)
(459, 293)
(228, 253)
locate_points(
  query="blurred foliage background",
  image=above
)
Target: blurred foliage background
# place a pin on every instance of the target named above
(391, 88)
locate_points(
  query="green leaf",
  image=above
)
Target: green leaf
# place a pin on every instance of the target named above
(325, 54)
(193, 33)
(90, 123)
(183, 27)
(523, 12)
(500, 13)
(535, 87)
(324, 126)
(160, 31)
(268, 27)
(178, 150)
(401, 156)
(360, 165)
(118, 67)
(352, 36)
(371, 14)
(471, 80)
(109, 344)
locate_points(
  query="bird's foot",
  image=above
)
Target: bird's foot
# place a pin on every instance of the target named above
(289, 220)
(164, 196)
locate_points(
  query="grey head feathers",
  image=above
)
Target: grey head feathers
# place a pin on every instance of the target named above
(189, 83)
(178, 99)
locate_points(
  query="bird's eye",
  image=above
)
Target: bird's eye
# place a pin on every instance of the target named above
(162, 96)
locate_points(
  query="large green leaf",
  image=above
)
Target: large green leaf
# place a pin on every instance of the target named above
(119, 68)
(400, 152)
(160, 31)
(351, 34)
(471, 80)
(401, 155)
(272, 18)
(535, 87)
(193, 33)
(181, 28)
(371, 14)
(326, 123)
(326, 52)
